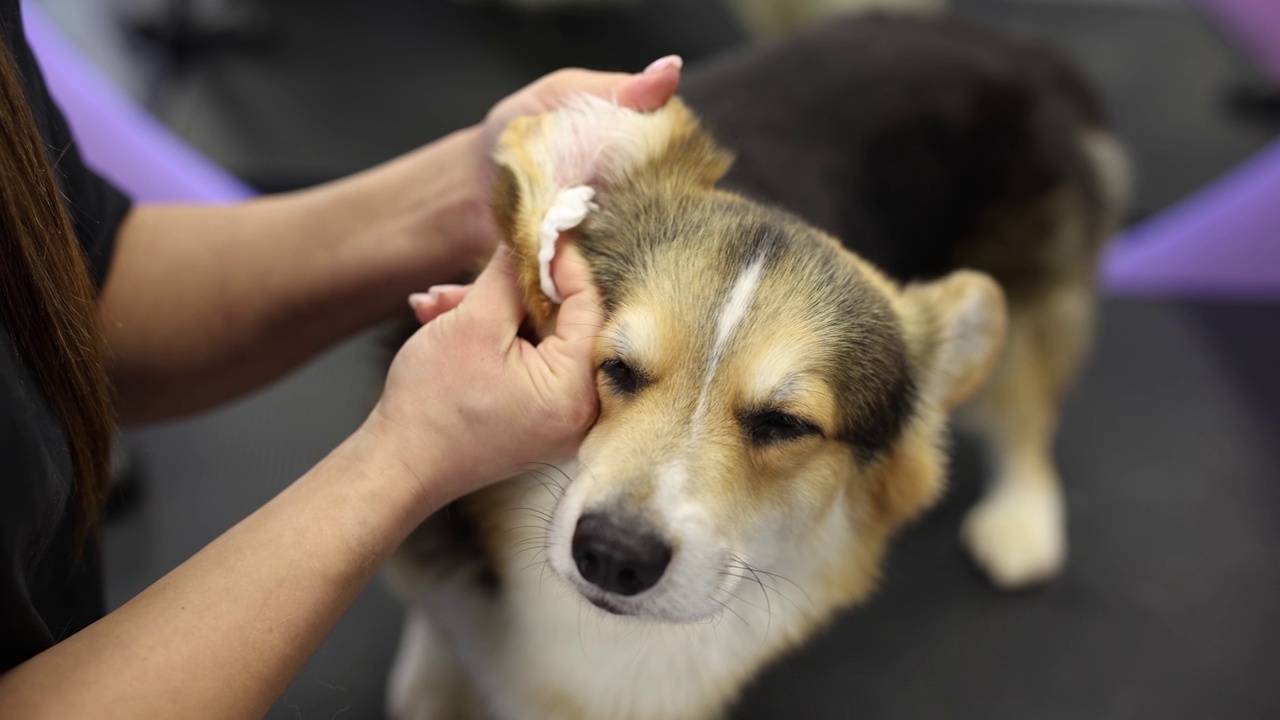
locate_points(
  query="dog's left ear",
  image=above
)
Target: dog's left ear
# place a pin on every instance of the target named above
(956, 329)
(555, 169)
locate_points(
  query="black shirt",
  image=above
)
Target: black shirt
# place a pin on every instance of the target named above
(46, 594)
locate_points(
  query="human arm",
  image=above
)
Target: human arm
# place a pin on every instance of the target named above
(202, 304)
(223, 634)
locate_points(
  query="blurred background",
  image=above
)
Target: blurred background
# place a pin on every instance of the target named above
(1169, 607)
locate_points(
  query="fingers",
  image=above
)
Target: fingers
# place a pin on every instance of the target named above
(652, 89)
(437, 301)
(582, 313)
(569, 270)
(495, 296)
(645, 91)
(648, 90)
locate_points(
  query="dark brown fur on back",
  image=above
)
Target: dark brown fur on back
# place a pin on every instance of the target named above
(923, 145)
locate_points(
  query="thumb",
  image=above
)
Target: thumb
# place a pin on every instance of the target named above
(495, 296)
(581, 315)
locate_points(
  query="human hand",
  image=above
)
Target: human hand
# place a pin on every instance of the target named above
(468, 401)
(648, 90)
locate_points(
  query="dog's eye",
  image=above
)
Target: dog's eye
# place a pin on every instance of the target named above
(775, 426)
(624, 378)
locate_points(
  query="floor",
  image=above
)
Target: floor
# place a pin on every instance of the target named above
(1168, 609)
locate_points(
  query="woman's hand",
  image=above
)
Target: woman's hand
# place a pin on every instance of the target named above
(467, 398)
(205, 303)
(649, 90)
(468, 401)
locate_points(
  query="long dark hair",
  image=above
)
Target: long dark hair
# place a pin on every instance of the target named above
(47, 300)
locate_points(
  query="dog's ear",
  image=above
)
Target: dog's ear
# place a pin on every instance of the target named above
(555, 169)
(956, 328)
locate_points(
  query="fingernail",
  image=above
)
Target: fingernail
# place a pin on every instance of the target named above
(663, 63)
(438, 290)
(421, 299)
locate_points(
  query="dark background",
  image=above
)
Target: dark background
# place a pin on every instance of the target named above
(1168, 448)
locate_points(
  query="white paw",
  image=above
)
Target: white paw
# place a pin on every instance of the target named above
(1017, 535)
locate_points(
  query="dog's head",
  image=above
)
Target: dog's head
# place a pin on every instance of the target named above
(767, 398)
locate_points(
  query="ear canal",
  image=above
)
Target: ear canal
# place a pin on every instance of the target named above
(956, 326)
(554, 169)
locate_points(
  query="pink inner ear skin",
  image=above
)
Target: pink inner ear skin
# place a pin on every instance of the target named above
(588, 137)
(584, 144)
(577, 154)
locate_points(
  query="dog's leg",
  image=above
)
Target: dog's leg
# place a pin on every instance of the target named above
(426, 682)
(1017, 532)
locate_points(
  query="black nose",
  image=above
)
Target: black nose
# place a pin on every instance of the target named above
(614, 557)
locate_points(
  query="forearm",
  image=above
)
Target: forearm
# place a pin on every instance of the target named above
(223, 634)
(204, 303)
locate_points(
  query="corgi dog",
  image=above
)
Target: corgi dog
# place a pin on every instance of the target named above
(911, 228)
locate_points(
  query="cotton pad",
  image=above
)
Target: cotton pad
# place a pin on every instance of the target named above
(567, 212)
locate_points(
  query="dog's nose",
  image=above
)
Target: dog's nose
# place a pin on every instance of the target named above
(619, 559)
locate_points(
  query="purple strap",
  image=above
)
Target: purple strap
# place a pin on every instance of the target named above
(1255, 24)
(1222, 242)
(116, 137)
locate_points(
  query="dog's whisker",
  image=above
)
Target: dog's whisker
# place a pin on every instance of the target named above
(538, 512)
(532, 564)
(527, 548)
(777, 576)
(740, 599)
(545, 482)
(549, 478)
(731, 610)
(526, 527)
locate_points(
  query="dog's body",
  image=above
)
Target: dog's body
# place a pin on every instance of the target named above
(772, 406)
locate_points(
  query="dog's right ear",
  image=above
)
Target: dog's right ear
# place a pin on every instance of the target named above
(956, 327)
(556, 168)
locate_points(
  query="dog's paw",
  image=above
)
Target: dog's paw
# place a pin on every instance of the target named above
(1017, 535)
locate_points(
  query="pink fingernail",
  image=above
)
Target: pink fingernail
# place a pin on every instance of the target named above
(663, 63)
(438, 290)
(420, 299)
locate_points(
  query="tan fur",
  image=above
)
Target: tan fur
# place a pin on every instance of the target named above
(1016, 413)
(526, 187)
(721, 330)
(939, 306)
(1017, 532)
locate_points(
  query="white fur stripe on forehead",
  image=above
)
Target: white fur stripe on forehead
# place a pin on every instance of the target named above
(734, 309)
(736, 304)
(731, 315)
(589, 141)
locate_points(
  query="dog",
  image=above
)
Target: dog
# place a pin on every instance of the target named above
(911, 230)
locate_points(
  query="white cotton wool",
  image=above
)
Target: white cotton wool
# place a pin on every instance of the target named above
(567, 212)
